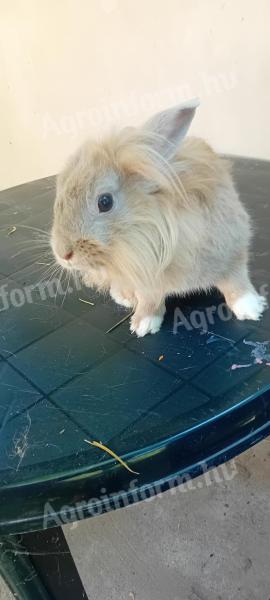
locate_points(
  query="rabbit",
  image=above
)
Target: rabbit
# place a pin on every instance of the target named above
(148, 213)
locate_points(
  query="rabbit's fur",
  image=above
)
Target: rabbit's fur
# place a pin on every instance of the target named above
(176, 225)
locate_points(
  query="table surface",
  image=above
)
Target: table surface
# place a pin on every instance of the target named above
(170, 404)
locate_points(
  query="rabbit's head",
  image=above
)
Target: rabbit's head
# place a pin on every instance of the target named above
(113, 198)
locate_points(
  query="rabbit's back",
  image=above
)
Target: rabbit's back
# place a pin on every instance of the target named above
(214, 230)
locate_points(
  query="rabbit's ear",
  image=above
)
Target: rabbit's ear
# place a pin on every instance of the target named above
(170, 126)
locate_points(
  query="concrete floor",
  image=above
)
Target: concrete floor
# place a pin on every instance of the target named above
(5, 594)
(207, 543)
(210, 543)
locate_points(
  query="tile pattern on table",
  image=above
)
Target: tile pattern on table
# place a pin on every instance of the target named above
(115, 394)
(247, 358)
(22, 216)
(55, 289)
(16, 394)
(26, 207)
(107, 314)
(38, 225)
(193, 346)
(16, 250)
(63, 354)
(28, 447)
(31, 201)
(74, 297)
(25, 318)
(30, 193)
(218, 387)
(13, 214)
(167, 417)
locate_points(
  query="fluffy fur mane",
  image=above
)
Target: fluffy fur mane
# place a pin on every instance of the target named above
(164, 192)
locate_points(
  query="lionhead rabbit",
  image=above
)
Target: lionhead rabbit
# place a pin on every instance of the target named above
(147, 214)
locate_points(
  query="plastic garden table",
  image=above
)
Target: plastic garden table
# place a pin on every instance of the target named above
(172, 405)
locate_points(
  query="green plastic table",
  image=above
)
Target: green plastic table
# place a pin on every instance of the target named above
(171, 405)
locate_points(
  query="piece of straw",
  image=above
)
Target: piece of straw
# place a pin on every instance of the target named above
(12, 230)
(120, 322)
(112, 453)
(87, 302)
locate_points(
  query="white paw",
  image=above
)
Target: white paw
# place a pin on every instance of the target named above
(249, 306)
(123, 302)
(119, 299)
(146, 325)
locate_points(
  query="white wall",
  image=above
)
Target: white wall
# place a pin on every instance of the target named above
(71, 68)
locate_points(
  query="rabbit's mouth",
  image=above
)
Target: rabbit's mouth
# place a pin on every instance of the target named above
(80, 255)
(85, 254)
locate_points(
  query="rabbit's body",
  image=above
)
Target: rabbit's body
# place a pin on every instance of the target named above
(213, 232)
(176, 224)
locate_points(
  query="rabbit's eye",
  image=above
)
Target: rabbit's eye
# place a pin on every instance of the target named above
(105, 202)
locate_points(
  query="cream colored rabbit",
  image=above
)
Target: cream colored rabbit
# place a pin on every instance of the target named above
(147, 214)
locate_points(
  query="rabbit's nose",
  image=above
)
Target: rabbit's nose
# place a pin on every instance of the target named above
(68, 256)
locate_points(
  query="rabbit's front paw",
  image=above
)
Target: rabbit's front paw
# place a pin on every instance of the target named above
(122, 299)
(249, 306)
(150, 324)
